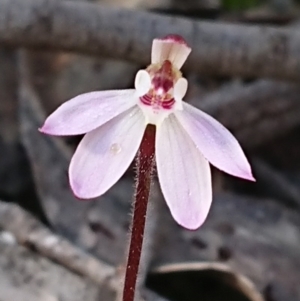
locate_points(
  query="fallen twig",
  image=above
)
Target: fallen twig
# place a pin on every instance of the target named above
(218, 48)
(256, 112)
(30, 231)
(28, 276)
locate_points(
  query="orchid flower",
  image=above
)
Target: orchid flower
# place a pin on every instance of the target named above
(187, 139)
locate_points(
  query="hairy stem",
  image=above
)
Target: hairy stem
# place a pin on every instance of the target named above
(145, 162)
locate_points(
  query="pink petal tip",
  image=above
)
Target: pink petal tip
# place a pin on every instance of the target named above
(175, 38)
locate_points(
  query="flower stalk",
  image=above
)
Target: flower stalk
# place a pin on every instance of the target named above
(145, 164)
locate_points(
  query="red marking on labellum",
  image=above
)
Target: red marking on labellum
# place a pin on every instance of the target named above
(168, 104)
(157, 101)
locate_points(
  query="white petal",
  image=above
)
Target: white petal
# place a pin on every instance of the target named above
(142, 82)
(104, 154)
(180, 88)
(88, 111)
(215, 142)
(183, 173)
(172, 48)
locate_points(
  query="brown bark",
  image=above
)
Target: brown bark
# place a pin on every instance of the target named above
(218, 48)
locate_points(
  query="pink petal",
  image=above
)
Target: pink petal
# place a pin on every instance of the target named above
(183, 173)
(88, 111)
(104, 154)
(215, 142)
(172, 48)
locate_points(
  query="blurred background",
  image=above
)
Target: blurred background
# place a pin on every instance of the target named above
(54, 247)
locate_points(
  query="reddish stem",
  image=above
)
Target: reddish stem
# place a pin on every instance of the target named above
(145, 162)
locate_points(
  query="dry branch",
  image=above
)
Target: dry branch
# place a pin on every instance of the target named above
(29, 231)
(28, 276)
(218, 48)
(257, 113)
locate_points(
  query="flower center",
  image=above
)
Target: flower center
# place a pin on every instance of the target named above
(160, 89)
(160, 95)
